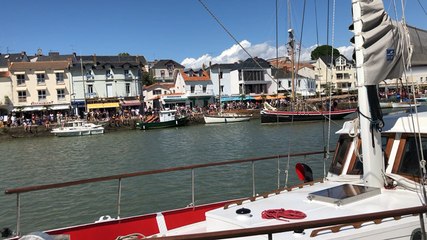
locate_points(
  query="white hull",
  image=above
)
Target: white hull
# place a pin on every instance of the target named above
(78, 128)
(229, 118)
(404, 105)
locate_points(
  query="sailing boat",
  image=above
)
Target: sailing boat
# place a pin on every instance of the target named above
(222, 117)
(270, 114)
(374, 195)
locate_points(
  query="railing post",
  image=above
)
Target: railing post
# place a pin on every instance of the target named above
(18, 214)
(119, 197)
(253, 178)
(278, 172)
(192, 188)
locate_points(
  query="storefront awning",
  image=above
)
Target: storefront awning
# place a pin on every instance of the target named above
(174, 98)
(102, 105)
(59, 107)
(28, 109)
(128, 103)
(236, 98)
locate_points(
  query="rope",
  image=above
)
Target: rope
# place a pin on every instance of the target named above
(282, 214)
(132, 236)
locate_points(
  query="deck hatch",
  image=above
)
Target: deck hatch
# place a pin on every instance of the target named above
(344, 194)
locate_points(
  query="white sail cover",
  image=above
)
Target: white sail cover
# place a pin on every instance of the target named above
(388, 45)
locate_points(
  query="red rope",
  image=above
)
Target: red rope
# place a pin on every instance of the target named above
(282, 214)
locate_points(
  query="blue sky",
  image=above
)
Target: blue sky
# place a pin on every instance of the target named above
(170, 29)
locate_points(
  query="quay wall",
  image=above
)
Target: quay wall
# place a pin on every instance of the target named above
(41, 131)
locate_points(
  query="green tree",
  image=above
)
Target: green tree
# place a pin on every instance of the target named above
(125, 54)
(324, 50)
(147, 78)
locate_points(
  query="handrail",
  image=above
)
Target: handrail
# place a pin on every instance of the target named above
(119, 177)
(269, 230)
(150, 172)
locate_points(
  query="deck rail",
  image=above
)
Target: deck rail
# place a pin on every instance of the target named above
(119, 177)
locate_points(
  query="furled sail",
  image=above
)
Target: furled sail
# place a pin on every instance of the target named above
(388, 45)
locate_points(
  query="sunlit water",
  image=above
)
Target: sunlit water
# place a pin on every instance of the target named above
(36, 161)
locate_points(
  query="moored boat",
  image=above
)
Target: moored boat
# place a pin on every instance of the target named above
(165, 119)
(78, 128)
(275, 116)
(226, 118)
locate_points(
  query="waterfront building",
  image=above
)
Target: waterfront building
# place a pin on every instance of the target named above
(304, 85)
(6, 104)
(40, 86)
(337, 75)
(240, 80)
(155, 94)
(191, 88)
(106, 82)
(196, 86)
(165, 70)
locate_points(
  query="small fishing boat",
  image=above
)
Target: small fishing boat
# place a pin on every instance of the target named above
(78, 128)
(222, 117)
(226, 118)
(164, 119)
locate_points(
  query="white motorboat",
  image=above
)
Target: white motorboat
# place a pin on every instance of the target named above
(78, 128)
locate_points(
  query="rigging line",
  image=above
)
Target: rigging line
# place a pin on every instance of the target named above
(317, 27)
(300, 41)
(422, 7)
(328, 142)
(231, 35)
(277, 44)
(418, 142)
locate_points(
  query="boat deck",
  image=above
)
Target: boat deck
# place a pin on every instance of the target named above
(227, 219)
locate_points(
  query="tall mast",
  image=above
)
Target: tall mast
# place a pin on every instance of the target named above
(219, 88)
(371, 138)
(291, 47)
(291, 44)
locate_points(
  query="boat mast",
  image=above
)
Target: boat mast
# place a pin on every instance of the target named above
(371, 138)
(219, 89)
(291, 44)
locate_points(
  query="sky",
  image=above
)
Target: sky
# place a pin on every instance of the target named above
(182, 30)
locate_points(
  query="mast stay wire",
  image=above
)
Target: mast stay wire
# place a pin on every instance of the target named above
(238, 43)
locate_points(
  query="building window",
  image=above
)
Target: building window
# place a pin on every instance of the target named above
(22, 96)
(204, 89)
(60, 93)
(59, 78)
(157, 92)
(253, 75)
(128, 89)
(40, 78)
(20, 79)
(192, 89)
(162, 73)
(42, 95)
(90, 88)
(109, 74)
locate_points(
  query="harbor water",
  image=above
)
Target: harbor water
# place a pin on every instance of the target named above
(45, 160)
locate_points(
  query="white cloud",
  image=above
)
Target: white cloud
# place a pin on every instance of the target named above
(347, 51)
(262, 50)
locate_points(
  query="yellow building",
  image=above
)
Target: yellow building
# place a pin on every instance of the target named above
(39, 86)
